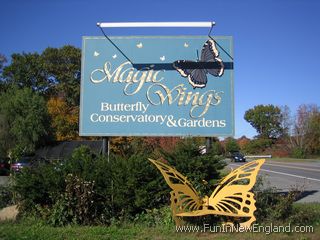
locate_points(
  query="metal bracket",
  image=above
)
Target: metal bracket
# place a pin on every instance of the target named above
(164, 66)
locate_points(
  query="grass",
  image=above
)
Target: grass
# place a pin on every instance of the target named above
(306, 214)
(34, 231)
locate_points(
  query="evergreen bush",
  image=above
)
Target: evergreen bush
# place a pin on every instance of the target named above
(88, 189)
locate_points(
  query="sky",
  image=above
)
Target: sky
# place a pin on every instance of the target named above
(276, 51)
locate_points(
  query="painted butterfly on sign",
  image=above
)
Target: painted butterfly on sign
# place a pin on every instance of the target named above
(197, 77)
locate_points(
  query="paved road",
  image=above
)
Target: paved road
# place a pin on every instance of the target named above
(283, 176)
(286, 176)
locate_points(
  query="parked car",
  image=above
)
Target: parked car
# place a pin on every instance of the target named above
(4, 167)
(28, 161)
(237, 157)
(21, 163)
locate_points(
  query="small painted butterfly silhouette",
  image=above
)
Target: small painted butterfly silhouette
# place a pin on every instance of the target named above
(139, 45)
(96, 54)
(162, 58)
(186, 45)
(114, 56)
(198, 77)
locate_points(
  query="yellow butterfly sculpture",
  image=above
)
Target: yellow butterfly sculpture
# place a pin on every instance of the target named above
(231, 197)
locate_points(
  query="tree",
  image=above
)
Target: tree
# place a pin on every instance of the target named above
(243, 141)
(64, 119)
(306, 130)
(63, 68)
(5, 139)
(167, 144)
(25, 121)
(27, 70)
(266, 119)
(3, 60)
(286, 121)
(54, 73)
(203, 170)
(231, 145)
(314, 133)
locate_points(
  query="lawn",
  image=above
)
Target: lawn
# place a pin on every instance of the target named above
(308, 214)
(34, 231)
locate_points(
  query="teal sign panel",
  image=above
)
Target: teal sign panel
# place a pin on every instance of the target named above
(157, 86)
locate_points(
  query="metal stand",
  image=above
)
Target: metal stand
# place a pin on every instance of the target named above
(106, 152)
(106, 147)
(208, 144)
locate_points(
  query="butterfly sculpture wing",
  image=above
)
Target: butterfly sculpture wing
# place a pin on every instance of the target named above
(232, 197)
(196, 77)
(184, 197)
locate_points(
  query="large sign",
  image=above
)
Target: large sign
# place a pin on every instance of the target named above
(157, 86)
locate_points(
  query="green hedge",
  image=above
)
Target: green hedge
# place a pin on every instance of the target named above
(88, 189)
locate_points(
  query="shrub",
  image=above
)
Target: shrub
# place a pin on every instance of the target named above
(203, 171)
(59, 191)
(298, 153)
(305, 214)
(6, 196)
(155, 217)
(86, 189)
(257, 145)
(136, 186)
(272, 205)
(38, 186)
(78, 204)
(89, 189)
(217, 148)
(232, 145)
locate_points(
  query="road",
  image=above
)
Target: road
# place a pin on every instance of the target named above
(286, 176)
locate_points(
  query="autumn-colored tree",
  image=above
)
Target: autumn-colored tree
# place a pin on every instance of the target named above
(121, 145)
(306, 129)
(242, 141)
(55, 76)
(64, 119)
(166, 144)
(314, 133)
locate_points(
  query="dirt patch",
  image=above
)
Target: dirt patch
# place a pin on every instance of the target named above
(9, 213)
